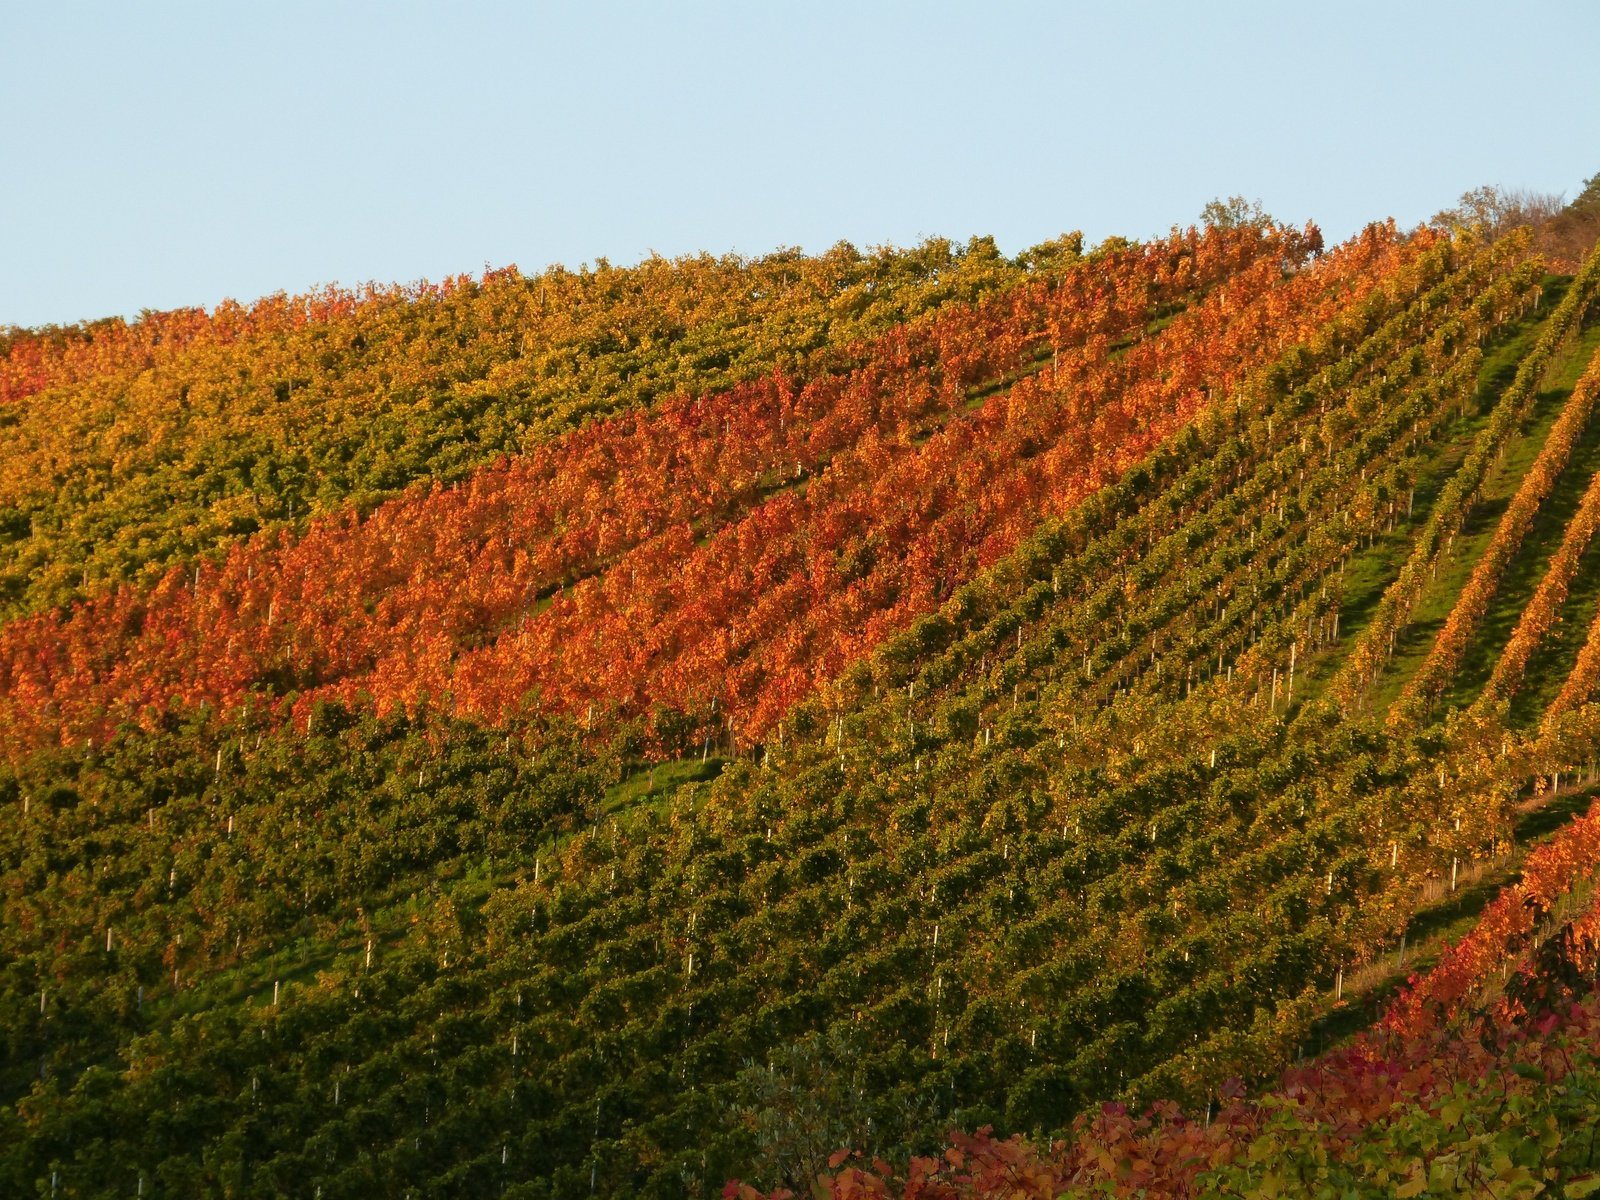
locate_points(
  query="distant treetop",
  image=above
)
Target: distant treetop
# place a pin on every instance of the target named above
(1234, 212)
(1564, 233)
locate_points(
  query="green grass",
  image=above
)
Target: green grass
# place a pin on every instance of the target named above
(650, 786)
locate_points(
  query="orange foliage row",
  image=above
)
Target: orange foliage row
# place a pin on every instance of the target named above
(444, 567)
(806, 584)
(776, 599)
(1585, 673)
(1544, 609)
(128, 463)
(1581, 680)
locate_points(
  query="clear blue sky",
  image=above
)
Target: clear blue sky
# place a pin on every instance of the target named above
(157, 154)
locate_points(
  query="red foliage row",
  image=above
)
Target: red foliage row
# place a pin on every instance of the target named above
(1318, 1115)
(1552, 870)
(782, 596)
(438, 569)
(807, 583)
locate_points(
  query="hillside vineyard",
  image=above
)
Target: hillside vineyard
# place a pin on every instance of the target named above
(1098, 718)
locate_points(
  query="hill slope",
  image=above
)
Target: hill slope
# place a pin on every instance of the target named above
(1081, 691)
